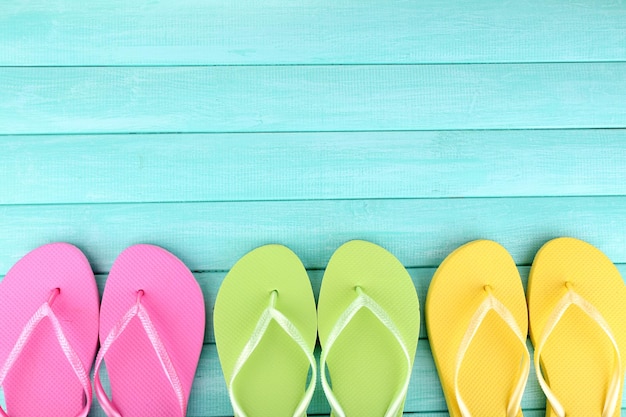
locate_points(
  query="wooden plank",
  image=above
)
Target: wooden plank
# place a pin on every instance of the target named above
(209, 396)
(210, 283)
(196, 32)
(213, 236)
(355, 165)
(311, 98)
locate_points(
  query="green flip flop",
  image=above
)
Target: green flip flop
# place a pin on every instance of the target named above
(265, 331)
(368, 324)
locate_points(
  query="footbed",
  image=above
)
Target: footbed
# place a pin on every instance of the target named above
(273, 381)
(42, 382)
(490, 368)
(577, 358)
(174, 301)
(366, 365)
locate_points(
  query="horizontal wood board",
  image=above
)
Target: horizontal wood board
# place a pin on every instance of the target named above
(312, 98)
(63, 169)
(213, 236)
(245, 32)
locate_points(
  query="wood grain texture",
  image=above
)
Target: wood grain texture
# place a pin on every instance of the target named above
(297, 166)
(213, 236)
(209, 396)
(210, 283)
(312, 98)
(216, 32)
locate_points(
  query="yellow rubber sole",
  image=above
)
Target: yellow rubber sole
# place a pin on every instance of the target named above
(577, 359)
(490, 368)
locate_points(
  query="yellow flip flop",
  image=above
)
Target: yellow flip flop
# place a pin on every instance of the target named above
(265, 331)
(368, 324)
(577, 306)
(477, 324)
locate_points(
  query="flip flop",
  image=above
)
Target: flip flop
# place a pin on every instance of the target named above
(151, 334)
(577, 305)
(368, 319)
(49, 328)
(477, 324)
(265, 332)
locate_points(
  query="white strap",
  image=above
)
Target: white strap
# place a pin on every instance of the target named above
(269, 314)
(364, 301)
(615, 386)
(492, 303)
(139, 311)
(72, 357)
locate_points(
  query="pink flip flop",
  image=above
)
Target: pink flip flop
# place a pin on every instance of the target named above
(151, 334)
(49, 329)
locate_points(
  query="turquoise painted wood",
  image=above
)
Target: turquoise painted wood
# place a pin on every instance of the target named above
(213, 127)
(246, 32)
(312, 98)
(211, 281)
(213, 236)
(58, 169)
(210, 397)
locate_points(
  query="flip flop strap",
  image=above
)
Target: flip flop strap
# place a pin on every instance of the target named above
(364, 301)
(138, 310)
(72, 357)
(491, 303)
(615, 386)
(269, 314)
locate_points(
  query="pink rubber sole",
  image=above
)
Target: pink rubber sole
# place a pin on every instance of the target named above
(42, 382)
(139, 386)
